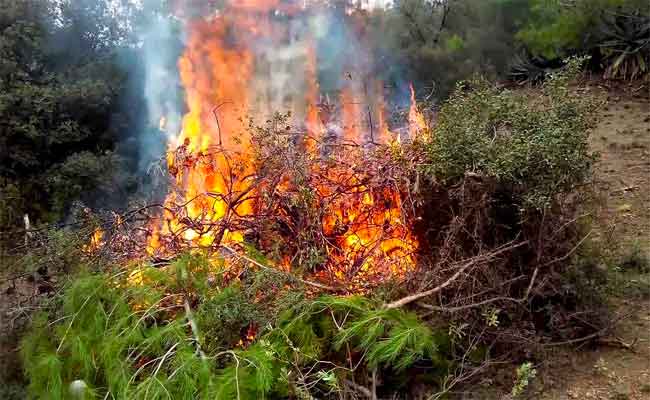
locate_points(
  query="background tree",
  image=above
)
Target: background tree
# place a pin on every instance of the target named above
(72, 105)
(448, 40)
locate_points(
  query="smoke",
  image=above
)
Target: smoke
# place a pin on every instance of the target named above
(162, 86)
(161, 47)
(283, 43)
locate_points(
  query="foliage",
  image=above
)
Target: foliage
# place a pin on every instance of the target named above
(525, 373)
(629, 272)
(63, 84)
(538, 147)
(555, 29)
(437, 43)
(625, 45)
(635, 259)
(615, 31)
(125, 335)
(508, 170)
(525, 68)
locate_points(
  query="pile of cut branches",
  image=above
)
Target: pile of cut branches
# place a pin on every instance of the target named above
(458, 246)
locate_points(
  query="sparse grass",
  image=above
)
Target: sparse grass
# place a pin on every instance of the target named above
(628, 274)
(636, 259)
(620, 396)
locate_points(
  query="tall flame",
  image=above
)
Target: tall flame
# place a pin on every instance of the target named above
(314, 125)
(229, 73)
(417, 123)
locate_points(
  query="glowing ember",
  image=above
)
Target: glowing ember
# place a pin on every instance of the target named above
(229, 76)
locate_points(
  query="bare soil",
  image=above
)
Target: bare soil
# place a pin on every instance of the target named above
(618, 368)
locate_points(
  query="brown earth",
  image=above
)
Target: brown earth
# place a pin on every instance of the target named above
(619, 368)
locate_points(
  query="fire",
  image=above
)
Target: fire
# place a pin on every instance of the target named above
(417, 123)
(96, 241)
(384, 135)
(351, 121)
(217, 108)
(313, 122)
(372, 240)
(228, 76)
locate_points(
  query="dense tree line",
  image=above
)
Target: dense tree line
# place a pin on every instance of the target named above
(73, 97)
(72, 105)
(61, 88)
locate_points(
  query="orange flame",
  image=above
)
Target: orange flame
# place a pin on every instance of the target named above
(96, 241)
(224, 81)
(314, 124)
(351, 117)
(417, 123)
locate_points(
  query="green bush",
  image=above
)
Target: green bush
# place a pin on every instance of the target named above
(109, 338)
(614, 31)
(537, 146)
(635, 259)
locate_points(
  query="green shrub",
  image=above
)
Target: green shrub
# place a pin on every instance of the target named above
(106, 337)
(525, 373)
(615, 31)
(635, 259)
(537, 146)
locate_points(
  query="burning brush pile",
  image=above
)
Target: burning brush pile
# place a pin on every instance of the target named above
(344, 249)
(317, 186)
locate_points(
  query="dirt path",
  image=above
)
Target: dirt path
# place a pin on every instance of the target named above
(611, 371)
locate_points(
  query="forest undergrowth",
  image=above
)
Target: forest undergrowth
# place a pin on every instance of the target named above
(492, 192)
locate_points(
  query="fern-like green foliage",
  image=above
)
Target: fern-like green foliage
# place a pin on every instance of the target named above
(129, 336)
(116, 351)
(388, 337)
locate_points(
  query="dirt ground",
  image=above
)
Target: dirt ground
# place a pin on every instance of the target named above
(619, 368)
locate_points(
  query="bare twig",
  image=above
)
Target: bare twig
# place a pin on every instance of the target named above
(594, 335)
(409, 299)
(258, 264)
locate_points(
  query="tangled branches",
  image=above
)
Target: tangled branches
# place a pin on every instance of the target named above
(337, 214)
